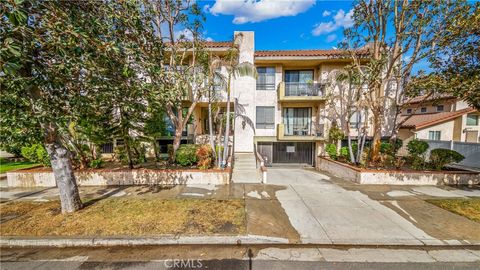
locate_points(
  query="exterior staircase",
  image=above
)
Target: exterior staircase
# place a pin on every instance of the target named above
(245, 168)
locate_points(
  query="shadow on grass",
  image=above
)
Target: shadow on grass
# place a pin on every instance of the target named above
(109, 193)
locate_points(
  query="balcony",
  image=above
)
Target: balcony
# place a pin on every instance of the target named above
(300, 134)
(301, 92)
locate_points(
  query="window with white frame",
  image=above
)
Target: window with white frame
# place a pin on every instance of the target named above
(434, 135)
(423, 109)
(440, 108)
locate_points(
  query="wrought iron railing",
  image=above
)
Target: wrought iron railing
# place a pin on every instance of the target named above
(304, 89)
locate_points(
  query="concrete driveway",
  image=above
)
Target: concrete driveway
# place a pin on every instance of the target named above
(324, 209)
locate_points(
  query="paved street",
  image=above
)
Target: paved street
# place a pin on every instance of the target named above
(237, 257)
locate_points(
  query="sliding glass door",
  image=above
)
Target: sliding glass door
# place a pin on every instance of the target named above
(297, 121)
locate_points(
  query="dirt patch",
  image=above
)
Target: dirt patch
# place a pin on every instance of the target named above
(125, 216)
(435, 221)
(469, 208)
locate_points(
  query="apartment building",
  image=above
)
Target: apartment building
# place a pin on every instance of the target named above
(287, 102)
(440, 117)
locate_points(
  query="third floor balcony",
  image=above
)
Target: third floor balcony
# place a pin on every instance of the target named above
(301, 92)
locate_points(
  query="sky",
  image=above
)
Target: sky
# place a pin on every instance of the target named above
(279, 24)
(282, 24)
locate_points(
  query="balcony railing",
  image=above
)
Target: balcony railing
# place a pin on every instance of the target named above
(303, 89)
(313, 133)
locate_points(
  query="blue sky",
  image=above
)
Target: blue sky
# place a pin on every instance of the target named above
(282, 24)
(279, 24)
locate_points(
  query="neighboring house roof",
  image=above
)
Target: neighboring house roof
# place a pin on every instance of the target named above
(420, 121)
(304, 53)
(424, 98)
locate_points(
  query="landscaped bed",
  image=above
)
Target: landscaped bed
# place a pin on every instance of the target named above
(469, 208)
(125, 216)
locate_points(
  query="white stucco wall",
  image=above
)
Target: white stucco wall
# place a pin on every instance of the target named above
(445, 128)
(244, 91)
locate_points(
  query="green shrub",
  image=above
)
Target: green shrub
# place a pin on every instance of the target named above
(416, 147)
(335, 134)
(440, 157)
(417, 150)
(344, 152)
(186, 155)
(36, 153)
(386, 148)
(331, 150)
(96, 163)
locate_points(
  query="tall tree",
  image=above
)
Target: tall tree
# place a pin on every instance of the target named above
(396, 35)
(45, 58)
(179, 83)
(456, 64)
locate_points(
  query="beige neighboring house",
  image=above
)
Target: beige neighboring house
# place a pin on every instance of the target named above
(442, 118)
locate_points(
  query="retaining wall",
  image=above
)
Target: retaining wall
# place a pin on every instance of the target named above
(105, 177)
(396, 177)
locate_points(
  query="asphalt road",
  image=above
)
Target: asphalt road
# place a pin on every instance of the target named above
(238, 257)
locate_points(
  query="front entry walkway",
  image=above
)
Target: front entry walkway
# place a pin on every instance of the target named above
(324, 209)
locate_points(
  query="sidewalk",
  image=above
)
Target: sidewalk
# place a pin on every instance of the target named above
(297, 207)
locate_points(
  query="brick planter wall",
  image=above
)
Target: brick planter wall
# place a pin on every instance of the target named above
(105, 177)
(396, 177)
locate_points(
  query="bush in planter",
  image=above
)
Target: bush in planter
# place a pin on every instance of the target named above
(440, 157)
(417, 150)
(186, 155)
(96, 163)
(204, 156)
(331, 150)
(36, 153)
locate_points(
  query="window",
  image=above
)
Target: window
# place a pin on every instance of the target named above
(472, 119)
(355, 120)
(297, 121)
(440, 108)
(266, 78)
(409, 111)
(423, 109)
(434, 135)
(265, 117)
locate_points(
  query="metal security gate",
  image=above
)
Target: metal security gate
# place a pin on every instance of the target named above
(293, 152)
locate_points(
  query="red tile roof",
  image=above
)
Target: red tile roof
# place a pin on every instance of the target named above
(303, 53)
(217, 44)
(424, 98)
(419, 121)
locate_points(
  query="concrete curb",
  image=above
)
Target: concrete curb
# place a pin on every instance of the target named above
(207, 240)
(118, 241)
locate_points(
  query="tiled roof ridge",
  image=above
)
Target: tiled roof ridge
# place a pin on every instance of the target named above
(419, 123)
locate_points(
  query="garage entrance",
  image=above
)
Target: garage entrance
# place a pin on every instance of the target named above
(287, 152)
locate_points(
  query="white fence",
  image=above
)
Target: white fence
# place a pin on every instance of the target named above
(471, 151)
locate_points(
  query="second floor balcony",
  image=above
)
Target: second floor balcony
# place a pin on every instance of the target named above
(300, 132)
(298, 92)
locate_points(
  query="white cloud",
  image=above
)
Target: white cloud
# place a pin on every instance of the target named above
(259, 10)
(184, 34)
(340, 20)
(326, 13)
(331, 37)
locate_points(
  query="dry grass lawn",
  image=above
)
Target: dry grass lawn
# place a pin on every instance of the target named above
(469, 208)
(124, 216)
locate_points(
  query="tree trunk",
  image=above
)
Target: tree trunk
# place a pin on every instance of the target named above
(176, 141)
(63, 172)
(155, 149)
(129, 153)
(219, 137)
(227, 130)
(210, 129)
(377, 135)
